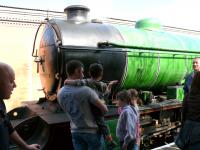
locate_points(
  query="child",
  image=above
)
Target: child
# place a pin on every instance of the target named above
(102, 90)
(96, 74)
(126, 129)
(134, 103)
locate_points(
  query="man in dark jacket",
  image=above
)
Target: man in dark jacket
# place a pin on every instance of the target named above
(189, 136)
(188, 79)
(7, 132)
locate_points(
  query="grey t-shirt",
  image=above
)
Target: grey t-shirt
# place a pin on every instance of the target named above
(75, 101)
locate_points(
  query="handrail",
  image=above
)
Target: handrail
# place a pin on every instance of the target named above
(114, 48)
(114, 45)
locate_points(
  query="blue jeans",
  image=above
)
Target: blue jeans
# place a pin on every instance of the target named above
(87, 141)
(189, 136)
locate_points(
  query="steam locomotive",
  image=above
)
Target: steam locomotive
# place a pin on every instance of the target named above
(143, 57)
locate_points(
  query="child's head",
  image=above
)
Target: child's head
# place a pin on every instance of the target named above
(96, 71)
(123, 98)
(135, 97)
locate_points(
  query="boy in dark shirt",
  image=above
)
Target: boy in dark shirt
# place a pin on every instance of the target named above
(103, 91)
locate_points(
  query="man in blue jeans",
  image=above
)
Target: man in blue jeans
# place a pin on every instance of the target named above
(76, 102)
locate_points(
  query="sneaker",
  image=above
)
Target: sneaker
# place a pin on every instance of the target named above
(112, 145)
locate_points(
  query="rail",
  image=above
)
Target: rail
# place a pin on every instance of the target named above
(116, 48)
(146, 49)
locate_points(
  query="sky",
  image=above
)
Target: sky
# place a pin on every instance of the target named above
(176, 13)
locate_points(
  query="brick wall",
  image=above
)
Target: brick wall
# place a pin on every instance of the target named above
(16, 43)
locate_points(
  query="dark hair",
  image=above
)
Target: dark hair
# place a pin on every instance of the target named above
(124, 96)
(72, 65)
(96, 70)
(195, 86)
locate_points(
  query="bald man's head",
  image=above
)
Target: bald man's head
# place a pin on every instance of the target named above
(7, 81)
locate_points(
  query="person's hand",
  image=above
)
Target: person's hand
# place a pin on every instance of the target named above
(113, 82)
(124, 147)
(33, 147)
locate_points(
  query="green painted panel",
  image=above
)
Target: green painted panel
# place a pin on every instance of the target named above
(142, 70)
(156, 69)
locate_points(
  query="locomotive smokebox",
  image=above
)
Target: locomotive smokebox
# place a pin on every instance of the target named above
(59, 41)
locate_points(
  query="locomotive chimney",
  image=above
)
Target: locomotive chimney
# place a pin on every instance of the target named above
(77, 13)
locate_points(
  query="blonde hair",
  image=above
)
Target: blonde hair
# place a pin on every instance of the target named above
(135, 96)
(134, 93)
